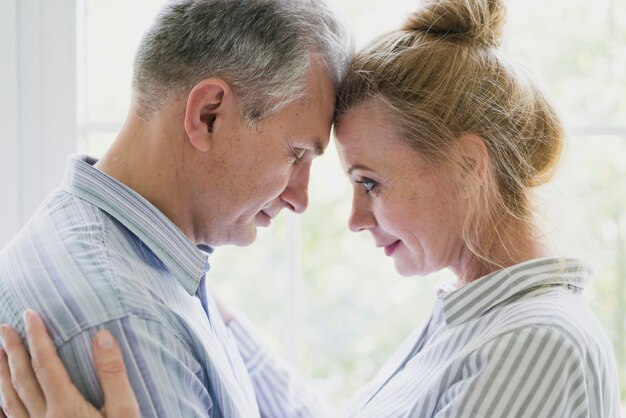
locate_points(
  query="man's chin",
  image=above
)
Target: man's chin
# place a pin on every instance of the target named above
(241, 236)
(246, 240)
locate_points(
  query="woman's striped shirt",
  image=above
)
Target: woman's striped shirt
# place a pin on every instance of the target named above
(519, 342)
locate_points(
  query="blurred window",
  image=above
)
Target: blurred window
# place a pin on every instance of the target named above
(330, 300)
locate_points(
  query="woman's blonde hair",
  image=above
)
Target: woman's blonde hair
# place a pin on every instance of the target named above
(442, 76)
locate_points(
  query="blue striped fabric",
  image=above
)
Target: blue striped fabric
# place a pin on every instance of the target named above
(520, 342)
(96, 254)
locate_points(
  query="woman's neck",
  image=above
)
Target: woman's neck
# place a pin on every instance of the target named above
(512, 244)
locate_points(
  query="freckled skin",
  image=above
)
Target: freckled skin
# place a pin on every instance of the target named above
(413, 201)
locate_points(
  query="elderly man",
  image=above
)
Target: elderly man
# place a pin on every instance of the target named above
(231, 102)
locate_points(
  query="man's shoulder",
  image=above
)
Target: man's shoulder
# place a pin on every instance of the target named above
(64, 233)
(67, 263)
(61, 220)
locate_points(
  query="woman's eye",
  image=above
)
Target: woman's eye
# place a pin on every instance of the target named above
(368, 184)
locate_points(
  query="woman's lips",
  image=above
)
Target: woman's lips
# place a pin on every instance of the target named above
(389, 249)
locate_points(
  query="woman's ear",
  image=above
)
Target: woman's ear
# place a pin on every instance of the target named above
(475, 159)
(206, 104)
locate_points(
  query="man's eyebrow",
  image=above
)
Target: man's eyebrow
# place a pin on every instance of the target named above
(358, 167)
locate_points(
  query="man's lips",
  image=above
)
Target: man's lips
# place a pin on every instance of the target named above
(263, 219)
(270, 213)
(389, 248)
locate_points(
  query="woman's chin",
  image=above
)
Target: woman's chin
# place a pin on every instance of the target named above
(406, 269)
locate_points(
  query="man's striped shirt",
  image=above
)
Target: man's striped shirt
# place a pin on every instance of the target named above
(97, 255)
(520, 342)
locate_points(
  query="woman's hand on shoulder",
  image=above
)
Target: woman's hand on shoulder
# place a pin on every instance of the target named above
(39, 386)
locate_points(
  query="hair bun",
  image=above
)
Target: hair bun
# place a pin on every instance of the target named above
(480, 21)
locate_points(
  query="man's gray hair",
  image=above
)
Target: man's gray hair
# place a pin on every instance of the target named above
(262, 48)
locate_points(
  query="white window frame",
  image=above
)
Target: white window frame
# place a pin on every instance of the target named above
(38, 104)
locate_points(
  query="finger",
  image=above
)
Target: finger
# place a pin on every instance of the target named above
(11, 403)
(22, 375)
(119, 398)
(54, 381)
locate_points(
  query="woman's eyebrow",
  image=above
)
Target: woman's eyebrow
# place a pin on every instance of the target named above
(358, 167)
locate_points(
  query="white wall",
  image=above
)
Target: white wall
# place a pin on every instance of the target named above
(37, 104)
(9, 168)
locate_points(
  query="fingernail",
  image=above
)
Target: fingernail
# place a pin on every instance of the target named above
(104, 340)
(29, 320)
(28, 317)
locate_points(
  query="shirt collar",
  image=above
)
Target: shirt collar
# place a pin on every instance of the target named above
(187, 262)
(481, 295)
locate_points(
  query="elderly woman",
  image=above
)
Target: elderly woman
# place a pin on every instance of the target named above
(443, 139)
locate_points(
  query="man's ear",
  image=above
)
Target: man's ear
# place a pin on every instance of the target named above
(475, 158)
(206, 104)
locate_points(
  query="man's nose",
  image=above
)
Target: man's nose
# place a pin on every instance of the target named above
(296, 194)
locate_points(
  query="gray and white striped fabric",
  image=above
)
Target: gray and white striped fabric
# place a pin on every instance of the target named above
(520, 342)
(96, 254)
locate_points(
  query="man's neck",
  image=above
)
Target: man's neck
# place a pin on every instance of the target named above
(148, 157)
